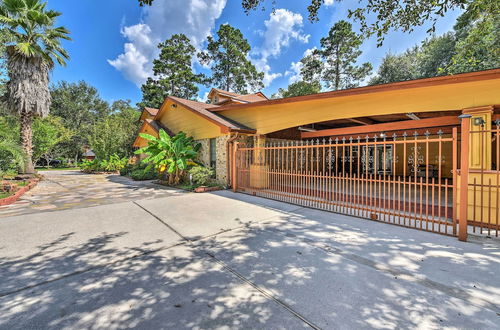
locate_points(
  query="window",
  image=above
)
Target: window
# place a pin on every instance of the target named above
(213, 153)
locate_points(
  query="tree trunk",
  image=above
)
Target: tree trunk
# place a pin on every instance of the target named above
(26, 141)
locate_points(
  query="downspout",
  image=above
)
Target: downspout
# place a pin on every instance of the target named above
(229, 152)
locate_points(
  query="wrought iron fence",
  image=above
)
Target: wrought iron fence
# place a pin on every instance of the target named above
(407, 180)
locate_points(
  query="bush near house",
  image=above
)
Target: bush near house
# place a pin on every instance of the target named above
(201, 175)
(140, 172)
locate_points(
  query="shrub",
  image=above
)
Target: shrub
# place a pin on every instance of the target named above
(143, 174)
(113, 164)
(201, 175)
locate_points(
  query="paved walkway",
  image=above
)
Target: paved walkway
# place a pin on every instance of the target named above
(61, 190)
(232, 261)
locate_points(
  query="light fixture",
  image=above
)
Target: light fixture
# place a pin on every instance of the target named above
(412, 116)
(307, 129)
(478, 121)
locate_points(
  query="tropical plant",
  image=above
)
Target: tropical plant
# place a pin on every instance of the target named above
(33, 46)
(170, 154)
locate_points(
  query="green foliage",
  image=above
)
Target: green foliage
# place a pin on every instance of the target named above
(12, 156)
(140, 171)
(80, 107)
(228, 60)
(335, 62)
(112, 164)
(299, 88)
(474, 44)
(173, 73)
(47, 134)
(392, 15)
(33, 45)
(30, 31)
(115, 133)
(478, 42)
(144, 174)
(201, 175)
(170, 154)
(398, 67)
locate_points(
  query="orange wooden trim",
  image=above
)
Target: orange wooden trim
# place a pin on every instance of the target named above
(426, 82)
(224, 128)
(481, 109)
(394, 126)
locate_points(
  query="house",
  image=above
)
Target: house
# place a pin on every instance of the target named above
(391, 152)
(88, 154)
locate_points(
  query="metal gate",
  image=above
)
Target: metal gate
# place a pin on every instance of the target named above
(480, 181)
(407, 179)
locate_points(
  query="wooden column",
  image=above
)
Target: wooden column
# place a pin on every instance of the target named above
(464, 178)
(259, 170)
(480, 143)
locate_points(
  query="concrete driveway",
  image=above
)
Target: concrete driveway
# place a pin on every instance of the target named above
(233, 261)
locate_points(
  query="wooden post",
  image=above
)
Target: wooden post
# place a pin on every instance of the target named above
(233, 167)
(464, 178)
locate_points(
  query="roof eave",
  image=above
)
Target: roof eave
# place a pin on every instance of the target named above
(401, 85)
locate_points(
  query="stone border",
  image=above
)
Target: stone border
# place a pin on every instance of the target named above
(11, 199)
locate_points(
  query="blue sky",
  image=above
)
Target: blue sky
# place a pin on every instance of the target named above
(114, 41)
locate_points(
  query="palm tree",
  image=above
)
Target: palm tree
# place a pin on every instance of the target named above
(32, 47)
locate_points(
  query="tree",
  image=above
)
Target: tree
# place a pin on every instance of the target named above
(474, 44)
(170, 154)
(228, 60)
(401, 15)
(48, 132)
(299, 88)
(398, 67)
(336, 61)
(477, 44)
(34, 45)
(115, 134)
(80, 107)
(173, 73)
(12, 156)
(434, 55)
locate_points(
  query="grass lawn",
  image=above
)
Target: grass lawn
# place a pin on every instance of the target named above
(4, 194)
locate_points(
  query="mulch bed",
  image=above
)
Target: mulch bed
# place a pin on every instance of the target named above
(19, 192)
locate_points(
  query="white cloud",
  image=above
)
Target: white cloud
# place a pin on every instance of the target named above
(282, 27)
(194, 18)
(329, 2)
(294, 72)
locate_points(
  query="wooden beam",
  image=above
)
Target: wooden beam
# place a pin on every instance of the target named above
(384, 127)
(362, 121)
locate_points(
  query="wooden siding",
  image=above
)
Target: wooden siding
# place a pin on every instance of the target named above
(140, 142)
(446, 97)
(182, 119)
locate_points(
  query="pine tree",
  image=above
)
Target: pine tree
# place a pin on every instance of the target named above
(173, 73)
(228, 60)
